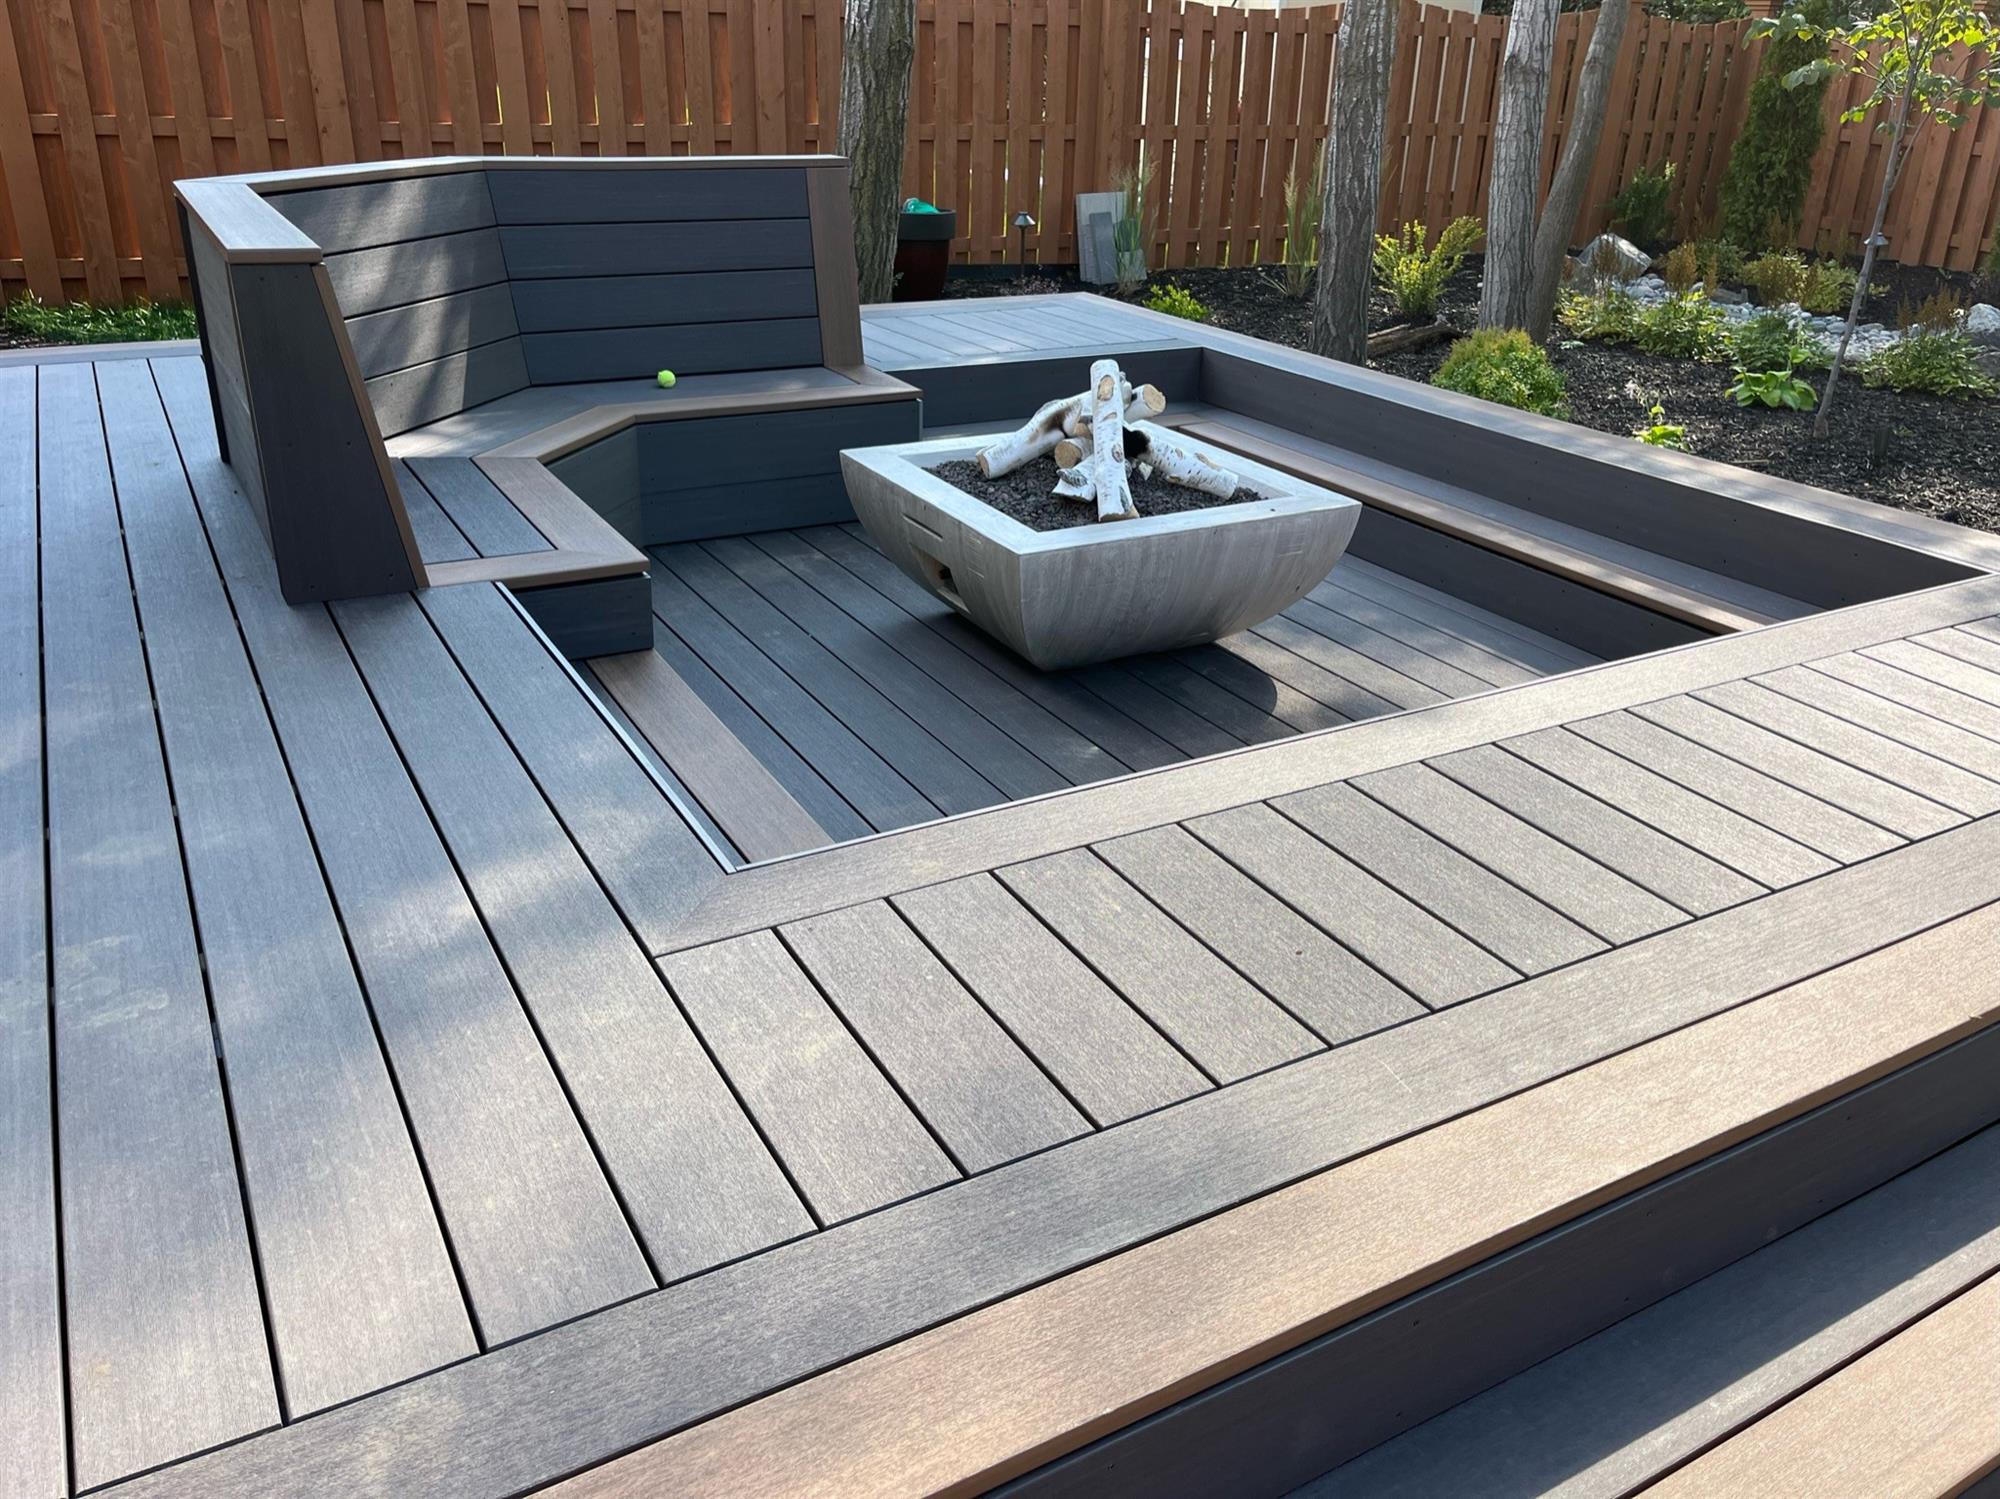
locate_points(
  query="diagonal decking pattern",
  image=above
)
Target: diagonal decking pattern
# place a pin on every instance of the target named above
(369, 1014)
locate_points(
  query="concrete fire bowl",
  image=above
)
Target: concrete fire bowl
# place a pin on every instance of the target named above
(1102, 591)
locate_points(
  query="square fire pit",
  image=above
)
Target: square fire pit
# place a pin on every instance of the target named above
(1098, 592)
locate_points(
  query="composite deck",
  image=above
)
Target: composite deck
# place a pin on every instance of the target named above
(398, 1093)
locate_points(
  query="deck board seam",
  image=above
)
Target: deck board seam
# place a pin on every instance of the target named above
(1818, 668)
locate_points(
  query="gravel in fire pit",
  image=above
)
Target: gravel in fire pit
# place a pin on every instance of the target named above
(1023, 495)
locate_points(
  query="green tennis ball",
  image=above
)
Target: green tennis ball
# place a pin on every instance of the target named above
(666, 379)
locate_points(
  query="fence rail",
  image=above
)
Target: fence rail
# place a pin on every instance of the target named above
(1017, 105)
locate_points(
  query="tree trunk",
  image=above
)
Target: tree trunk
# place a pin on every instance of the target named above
(1517, 165)
(1579, 155)
(878, 44)
(1353, 180)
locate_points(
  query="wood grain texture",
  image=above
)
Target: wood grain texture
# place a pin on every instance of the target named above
(634, 352)
(420, 332)
(542, 250)
(980, 1093)
(567, 195)
(476, 506)
(363, 215)
(425, 393)
(847, 1139)
(167, 1352)
(554, 306)
(416, 270)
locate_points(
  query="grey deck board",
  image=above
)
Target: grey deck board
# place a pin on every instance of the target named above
(1429, 636)
(1898, 684)
(1183, 728)
(357, 1281)
(438, 537)
(1011, 767)
(526, 1416)
(1833, 719)
(1230, 669)
(1819, 823)
(1923, 657)
(868, 782)
(916, 755)
(1323, 984)
(1218, 1019)
(31, 1359)
(632, 837)
(690, 1171)
(1234, 715)
(1102, 1052)
(1315, 681)
(1974, 643)
(1344, 661)
(1869, 796)
(1334, 623)
(1611, 1414)
(848, 1140)
(476, 505)
(1433, 961)
(166, 1343)
(981, 1094)
(1602, 902)
(1650, 859)
(1721, 833)
(594, 675)
(1530, 647)
(1073, 755)
(533, 1225)
(1514, 926)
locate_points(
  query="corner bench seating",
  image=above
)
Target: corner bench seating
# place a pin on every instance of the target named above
(441, 371)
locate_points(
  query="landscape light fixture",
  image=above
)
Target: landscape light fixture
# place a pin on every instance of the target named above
(1023, 222)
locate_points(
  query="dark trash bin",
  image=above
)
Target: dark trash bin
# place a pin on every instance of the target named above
(923, 250)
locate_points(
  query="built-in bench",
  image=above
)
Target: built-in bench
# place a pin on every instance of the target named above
(410, 362)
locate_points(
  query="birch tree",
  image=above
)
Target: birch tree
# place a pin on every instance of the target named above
(1507, 297)
(1579, 155)
(1353, 177)
(879, 42)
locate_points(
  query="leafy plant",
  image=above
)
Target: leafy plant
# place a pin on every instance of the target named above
(1130, 233)
(1415, 272)
(1177, 301)
(1940, 312)
(81, 323)
(1680, 267)
(1639, 209)
(1722, 256)
(1990, 266)
(1504, 365)
(1777, 278)
(1772, 341)
(1304, 198)
(1936, 362)
(1770, 166)
(1829, 287)
(1661, 433)
(1688, 326)
(1610, 314)
(1772, 388)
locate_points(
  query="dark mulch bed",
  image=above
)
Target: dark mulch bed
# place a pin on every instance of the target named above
(1915, 452)
(1024, 495)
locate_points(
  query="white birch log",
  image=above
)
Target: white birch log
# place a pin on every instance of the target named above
(1072, 450)
(1179, 465)
(1143, 404)
(1038, 435)
(1109, 397)
(1075, 484)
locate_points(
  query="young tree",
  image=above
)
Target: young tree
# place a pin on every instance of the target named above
(1579, 155)
(1770, 166)
(878, 43)
(1352, 181)
(1898, 49)
(1505, 299)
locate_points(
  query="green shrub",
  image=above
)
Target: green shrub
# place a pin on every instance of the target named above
(1304, 198)
(1416, 275)
(1680, 267)
(1722, 256)
(1177, 301)
(1770, 166)
(1990, 266)
(1684, 327)
(1777, 277)
(81, 323)
(1937, 362)
(1772, 388)
(1639, 210)
(1504, 365)
(1610, 314)
(1829, 287)
(1772, 341)
(1660, 432)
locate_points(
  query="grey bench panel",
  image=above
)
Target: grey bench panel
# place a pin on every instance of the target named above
(420, 332)
(1430, 959)
(1101, 1050)
(705, 451)
(605, 476)
(423, 393)
(415, 270)
(693, 348)
(850, 1143)
(532, 1222)
(166, 1342)
(358, 1285)
(1505, 921)
(535, 251)
(361, 215)
(552, 195)
(981, 1094)
(1286, 956)
(694, 1178)
(1647, 857)
(640, 301)
(1602, 902)
(31, 1356)
(488, 518)
(1720, 832)
(1224, 1024)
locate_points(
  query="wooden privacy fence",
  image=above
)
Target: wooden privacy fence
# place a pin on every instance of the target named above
(1017, 105)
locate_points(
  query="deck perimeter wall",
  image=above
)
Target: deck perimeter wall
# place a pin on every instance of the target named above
(1017, 104)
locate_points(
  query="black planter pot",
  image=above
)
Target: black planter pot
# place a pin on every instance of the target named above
(923, 251)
